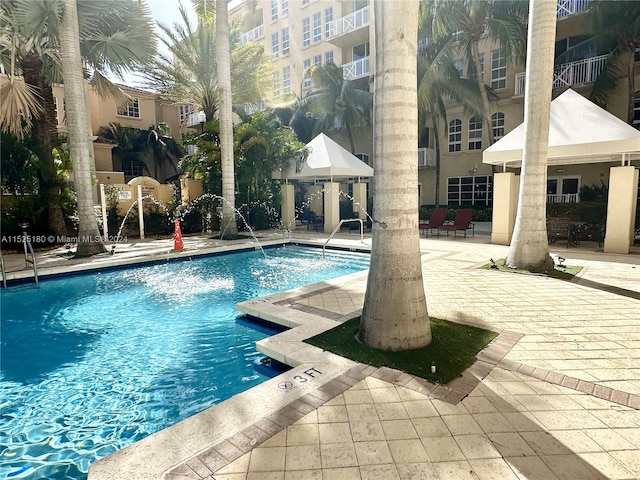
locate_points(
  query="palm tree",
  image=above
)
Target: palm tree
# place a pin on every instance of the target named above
(438, 78)
(114, 35)
(394, 316)
(337, 103)
(228, 228)
(504, 22)
(89, 242)
(192, 78)
(529, 247)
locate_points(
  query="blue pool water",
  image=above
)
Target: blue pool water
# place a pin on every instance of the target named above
(92, 363)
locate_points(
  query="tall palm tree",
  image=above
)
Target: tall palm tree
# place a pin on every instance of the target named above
(89, 242)
(228, 228)
(337, 102)
(502, 21)
(394, 316)
(529, 247)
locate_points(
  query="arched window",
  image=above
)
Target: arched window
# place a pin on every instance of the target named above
(497, 124)
(363, 157)
(475, 133)
(455, 135)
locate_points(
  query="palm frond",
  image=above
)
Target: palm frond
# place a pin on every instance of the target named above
(20, 104)
(105, 88)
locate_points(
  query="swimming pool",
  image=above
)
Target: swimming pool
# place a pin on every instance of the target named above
(92, 363)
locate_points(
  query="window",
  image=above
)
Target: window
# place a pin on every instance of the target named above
(498, 69)
(317, 27)
(455, 135)
(317, 60)
(475, 133)
(363, 157)
(497, 124)
(276, 84)
(131, 110)
(563, 189)
(284, 8)
(304, 2)
(274, 10)
(274, 44)
(184, 111)
(306, 32)
(285, 41)
(306, 66)
(328, 57)
(328, 18)
(360, 51)
(471, 190)
(286, 79)
(55, 105)
(636, 108)
(133, 168)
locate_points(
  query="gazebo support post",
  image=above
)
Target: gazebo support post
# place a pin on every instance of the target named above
(621, 209)
(288, 207)
(360, 197)
(506, 186)
(331, 206)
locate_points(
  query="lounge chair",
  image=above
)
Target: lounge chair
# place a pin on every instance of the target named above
(461, 222)
(436, 219)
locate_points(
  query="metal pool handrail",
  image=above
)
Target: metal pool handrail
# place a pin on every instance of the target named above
(335, 230)
(28, 250)
(4, 272)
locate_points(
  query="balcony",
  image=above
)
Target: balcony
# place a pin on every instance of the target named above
(563, 198)
(426, 157)
(567, 8)
(252, 35)
(568, 74)
(356, 69)
(352, 29)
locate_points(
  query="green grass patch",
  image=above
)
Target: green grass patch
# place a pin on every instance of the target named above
(566, 272)
(452, 350)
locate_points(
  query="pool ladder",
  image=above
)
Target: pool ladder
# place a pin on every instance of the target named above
(337, 229)
(28, 251)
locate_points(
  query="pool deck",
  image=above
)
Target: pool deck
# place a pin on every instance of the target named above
(555, 396)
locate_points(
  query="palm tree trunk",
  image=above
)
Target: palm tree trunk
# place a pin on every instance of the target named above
(229, 228)
(436, 136)
(529, 247)
(631, 86)
(43, 131)
(89, 242)
(395, 316)
(350, 135)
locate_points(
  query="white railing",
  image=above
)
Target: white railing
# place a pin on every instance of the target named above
(426, 157)
(252, 35)
(571, 7)
(251, 108)
(349, 23)
(567, 74)
(356, 69)
(564, 198)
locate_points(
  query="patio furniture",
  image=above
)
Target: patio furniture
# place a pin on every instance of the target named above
(436, 219)
(563, 227)
(461, 222)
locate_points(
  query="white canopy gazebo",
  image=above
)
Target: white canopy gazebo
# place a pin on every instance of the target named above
(580, 132)
(326, 161)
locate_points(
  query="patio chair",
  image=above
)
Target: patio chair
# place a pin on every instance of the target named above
(462, 222)
(436, 219)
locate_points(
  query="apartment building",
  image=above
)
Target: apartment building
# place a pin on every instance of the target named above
(303, 33)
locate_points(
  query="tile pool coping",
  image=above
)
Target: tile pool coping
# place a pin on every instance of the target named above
(247, 419)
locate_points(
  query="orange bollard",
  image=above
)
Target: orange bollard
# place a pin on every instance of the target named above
(178, 246)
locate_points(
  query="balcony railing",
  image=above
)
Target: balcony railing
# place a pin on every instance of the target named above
(427, 157)
(349, 23)
(563, 198)
(252, 35)
(571, 7)
(357, 69)
(567, 74)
